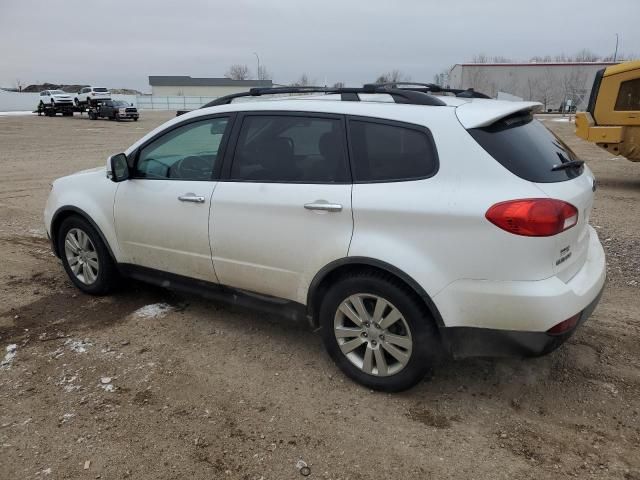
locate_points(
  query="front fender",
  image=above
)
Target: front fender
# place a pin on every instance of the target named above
(87, 194)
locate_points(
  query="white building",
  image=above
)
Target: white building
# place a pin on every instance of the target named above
(178, 86)
(551, 84)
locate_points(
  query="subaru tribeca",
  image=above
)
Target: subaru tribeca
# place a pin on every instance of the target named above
(405, 225)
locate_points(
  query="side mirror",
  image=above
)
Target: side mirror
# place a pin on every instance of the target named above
(119, 167)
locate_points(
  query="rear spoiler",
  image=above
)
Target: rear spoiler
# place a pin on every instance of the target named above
(478, 113)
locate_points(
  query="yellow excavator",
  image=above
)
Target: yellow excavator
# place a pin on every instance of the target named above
(612, 119)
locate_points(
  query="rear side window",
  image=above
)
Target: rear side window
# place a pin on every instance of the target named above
(383, 152)
(99, 89)
(629, 96)
(286, 148)
(527, 149)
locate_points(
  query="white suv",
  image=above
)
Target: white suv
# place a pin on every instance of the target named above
(89, 95)
(403, 224)
(55, 98)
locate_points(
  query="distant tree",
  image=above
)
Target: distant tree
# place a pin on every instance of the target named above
(393, 76)
(544, 89)
(338, 85)
(238, 72)
(480, 58)
(501, 59)
(303, 81)
(586, 55)
(442, 78)
(263, 73)
(18, 84)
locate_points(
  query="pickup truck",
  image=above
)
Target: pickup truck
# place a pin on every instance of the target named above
(114, 110)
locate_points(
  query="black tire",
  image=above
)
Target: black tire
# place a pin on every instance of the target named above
(107, 274)
(135, 119)
(93, 116)
(117, 117)
(76, 102)
(426, 346)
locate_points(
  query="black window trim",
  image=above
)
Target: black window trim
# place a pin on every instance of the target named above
(393, 123)
(222, 150)
(235, 137)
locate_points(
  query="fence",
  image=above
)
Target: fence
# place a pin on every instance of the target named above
(151, 102)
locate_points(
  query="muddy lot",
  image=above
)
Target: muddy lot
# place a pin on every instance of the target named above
(150, 385)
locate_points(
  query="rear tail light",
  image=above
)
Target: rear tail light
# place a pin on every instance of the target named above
(565, 326)
(533, 217)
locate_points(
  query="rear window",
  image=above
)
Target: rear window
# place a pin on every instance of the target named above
(100, 89)
(388, 152)
(527, 149)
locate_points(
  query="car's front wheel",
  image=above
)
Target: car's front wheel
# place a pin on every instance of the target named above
(378, 331)
(85, 257)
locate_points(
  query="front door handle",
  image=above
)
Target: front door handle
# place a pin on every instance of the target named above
(323, 206)
(191, 197)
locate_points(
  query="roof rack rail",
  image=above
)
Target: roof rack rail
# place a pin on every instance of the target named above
(431, 88)
(348, 94)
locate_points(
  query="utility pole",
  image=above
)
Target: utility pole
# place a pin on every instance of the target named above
(258, 71)
(615, 55)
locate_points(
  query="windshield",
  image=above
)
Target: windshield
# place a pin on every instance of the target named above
(57, 92)
(100, 89)
(120, 103)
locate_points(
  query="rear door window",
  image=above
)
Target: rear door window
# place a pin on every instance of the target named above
(527, 149)
(383, 151)
(288, 148)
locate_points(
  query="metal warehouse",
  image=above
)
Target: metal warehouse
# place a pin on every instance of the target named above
(174, 86)
(551, 84)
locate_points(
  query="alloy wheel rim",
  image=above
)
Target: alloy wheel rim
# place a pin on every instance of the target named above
(373, 334)
(82, 256)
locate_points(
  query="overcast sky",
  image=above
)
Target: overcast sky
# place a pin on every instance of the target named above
(120, 43)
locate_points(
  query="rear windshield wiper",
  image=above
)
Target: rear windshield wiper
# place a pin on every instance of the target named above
(565, 165)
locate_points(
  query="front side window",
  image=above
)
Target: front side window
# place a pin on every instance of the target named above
(189, 152)
(629, 96)
(383, 152)
(288, 148)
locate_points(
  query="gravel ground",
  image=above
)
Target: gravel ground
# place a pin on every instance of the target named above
(146, 384)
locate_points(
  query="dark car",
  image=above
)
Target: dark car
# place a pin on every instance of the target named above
(114, 110)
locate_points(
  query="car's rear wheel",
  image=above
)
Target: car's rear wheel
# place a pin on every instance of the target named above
(85, 257)
(378, 331)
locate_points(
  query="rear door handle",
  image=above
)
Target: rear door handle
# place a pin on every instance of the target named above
(191, 197)
(323, 206)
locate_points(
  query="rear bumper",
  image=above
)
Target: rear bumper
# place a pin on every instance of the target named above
(497, 318)
(463, 342)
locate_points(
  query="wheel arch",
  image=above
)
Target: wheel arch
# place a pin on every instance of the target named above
(337, 268)
(65, 212)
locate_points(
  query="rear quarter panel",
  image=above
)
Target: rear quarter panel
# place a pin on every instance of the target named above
(435, 229)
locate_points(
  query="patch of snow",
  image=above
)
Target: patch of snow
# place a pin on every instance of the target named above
(105, 380)
(78, 346)
(108, 388)
(10, 355)
(154, 310)
(560, 120)
(11, 114)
